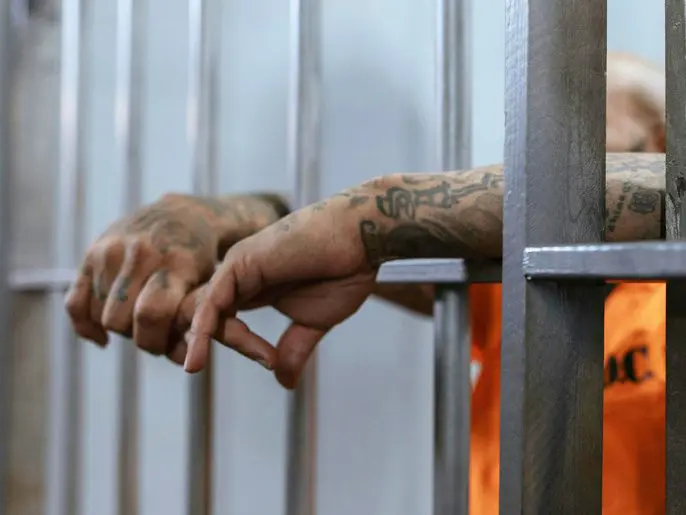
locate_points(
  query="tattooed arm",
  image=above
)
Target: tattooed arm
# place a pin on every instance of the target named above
(135, 276)
(459, 214)
(317, 265)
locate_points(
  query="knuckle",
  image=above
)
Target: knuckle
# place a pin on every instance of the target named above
(74, 307)
(116, 322)
(152, 314)
(111, 252)
(136, 250)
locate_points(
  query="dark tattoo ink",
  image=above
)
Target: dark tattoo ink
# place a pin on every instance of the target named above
(613, 217)
(371, 240)
(162, 278)
(396, 203)
(171, 233)
(644, 201)
(357, 200)
(354, 199)
(402, 203)
(123, 289)
(99, 289)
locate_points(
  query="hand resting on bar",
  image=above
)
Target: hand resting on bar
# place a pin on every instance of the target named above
(134, 276)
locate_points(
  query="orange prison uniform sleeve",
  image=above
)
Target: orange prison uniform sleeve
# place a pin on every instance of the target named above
(634, 412)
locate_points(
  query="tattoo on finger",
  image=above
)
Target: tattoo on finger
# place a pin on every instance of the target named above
(99, 289)
(123, 289)
(162, 278)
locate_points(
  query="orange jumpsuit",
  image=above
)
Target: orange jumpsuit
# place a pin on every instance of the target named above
(634, 403)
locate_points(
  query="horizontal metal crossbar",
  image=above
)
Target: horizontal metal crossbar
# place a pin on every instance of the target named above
(439, 271)
(616, 261)
(38, 280)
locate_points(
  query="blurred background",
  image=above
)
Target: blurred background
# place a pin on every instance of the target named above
(379, 116)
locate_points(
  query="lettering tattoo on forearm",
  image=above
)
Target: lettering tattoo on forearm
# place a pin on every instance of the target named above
(401, 202)
(459, 214)
(427, 228)
(644, 201)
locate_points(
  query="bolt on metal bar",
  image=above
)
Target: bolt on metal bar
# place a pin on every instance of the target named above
(65, 352)
(128, 118)
(552, 341)
(304, 167)
(675, 220)
(6, 85)
(203, 106)
(452, 391)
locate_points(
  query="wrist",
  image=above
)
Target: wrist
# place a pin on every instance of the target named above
(278, 203)
(245, 215)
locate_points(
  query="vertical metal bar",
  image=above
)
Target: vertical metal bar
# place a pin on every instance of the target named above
(675, 219)
(64, 432)
(452, 391)
(6, 84)
(453, 79)
(128, 133)
(452, 387)
(304, 163)
(203, 105)
(552, 344)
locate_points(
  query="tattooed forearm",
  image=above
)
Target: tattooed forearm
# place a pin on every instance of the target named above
(459, 214)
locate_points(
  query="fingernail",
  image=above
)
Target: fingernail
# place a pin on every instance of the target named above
(188, 338)
(264, 363)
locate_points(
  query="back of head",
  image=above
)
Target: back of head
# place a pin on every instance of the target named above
(635, 104)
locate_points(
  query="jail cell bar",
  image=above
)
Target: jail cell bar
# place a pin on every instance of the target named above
(6, 75)
(128, 117)
(675, 219)
(203, 105)
(551, 424)
(452, 349)
(452, 341)
(65, 354)
(304, 167)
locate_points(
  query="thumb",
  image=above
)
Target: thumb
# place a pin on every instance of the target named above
(293, 350)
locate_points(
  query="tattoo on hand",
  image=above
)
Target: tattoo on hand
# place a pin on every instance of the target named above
(99, 289)
(162, 278)
(123, 289)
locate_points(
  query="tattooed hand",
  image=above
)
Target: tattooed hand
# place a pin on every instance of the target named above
(311, 266)
(134, 277)
(317, 265)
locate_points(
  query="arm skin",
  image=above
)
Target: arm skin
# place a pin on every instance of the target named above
(460, 214)
(257, 211)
